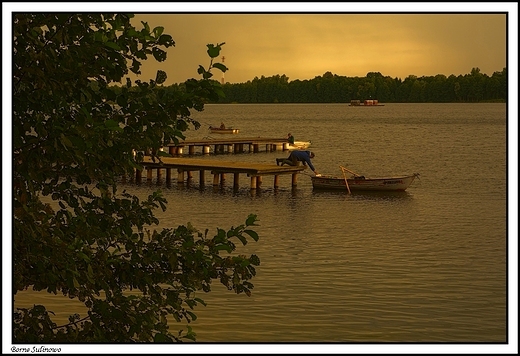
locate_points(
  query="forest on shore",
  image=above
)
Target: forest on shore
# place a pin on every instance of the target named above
(474, 87)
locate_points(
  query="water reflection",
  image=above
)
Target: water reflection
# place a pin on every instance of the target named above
(368, 195)
(222, 189)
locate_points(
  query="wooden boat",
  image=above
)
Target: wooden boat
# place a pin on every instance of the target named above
(227, 130)
(362, 183)
(370, 102)
(298, 145)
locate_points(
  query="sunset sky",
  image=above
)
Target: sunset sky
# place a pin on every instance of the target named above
(303, 46)
(305, 40)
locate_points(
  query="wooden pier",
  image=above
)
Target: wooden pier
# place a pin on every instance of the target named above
(228, 145)
(186, 166)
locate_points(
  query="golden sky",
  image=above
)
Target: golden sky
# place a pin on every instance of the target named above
(303, 46)
(305, 40)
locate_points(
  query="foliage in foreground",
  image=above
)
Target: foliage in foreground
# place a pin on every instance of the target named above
(73, 138)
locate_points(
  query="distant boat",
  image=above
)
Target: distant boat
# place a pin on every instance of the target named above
(370, 102)
(227, 130)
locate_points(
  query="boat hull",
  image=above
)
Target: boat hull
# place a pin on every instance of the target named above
(223, 131)
(400, 183)
(298, 145)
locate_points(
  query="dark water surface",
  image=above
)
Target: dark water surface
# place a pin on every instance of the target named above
(425, 265)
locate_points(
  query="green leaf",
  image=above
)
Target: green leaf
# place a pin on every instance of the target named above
(166, 40)
(83, 256)
(224, 247)
(251, 219)
(159, 54)
(162, 338)
(90, 273)
(65, 141)
(193, 316)
(157, 31)
(242, 239)
(111, 123)
(200, 301)
(214, 51)
(252, 233)
(122, 100)
(220, 66)
(160, 77)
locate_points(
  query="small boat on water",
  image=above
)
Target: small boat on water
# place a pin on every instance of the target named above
(362, 183)
(370, 102)
(298, 145)
(226, 130)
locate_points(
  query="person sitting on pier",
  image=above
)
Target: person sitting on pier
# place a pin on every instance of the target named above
(222, 126)
(299, 156)
(290, 139)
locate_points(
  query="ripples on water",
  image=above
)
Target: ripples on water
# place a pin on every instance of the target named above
(425, 265)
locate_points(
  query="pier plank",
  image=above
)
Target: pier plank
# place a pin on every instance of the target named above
(220, 168)
(230, 144)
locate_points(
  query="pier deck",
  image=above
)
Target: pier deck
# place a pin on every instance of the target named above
(186, 166)
(231, 144)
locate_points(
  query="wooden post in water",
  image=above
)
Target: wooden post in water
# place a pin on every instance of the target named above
(253, 182)
(201, 178)
(294, 180)
(236, 177)
(276, 179)
(149, 174)
(180, 176)
(215, 178)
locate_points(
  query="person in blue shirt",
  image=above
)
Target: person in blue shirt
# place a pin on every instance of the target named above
(302, 156)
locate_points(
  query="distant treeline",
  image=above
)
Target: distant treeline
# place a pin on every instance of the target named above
(331, 88)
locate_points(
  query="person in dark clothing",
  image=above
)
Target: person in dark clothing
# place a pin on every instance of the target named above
(300, 156)
(290, 139)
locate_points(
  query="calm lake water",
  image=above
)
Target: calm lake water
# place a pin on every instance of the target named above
(427, 265)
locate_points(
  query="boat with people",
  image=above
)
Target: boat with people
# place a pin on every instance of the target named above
(358, 182)
(296, 145)
(223, 130)
(368, 102)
